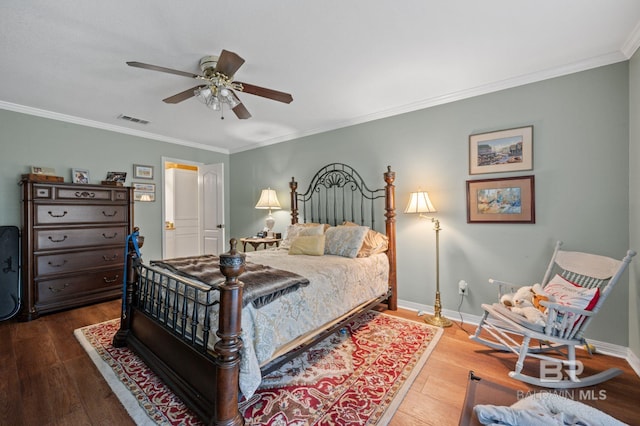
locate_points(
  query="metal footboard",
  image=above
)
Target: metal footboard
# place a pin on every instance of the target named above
(187, 308)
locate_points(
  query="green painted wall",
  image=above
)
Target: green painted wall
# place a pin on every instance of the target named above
(581, 167)
(634, 201)
(27, 140)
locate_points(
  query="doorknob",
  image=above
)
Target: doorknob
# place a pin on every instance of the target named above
(220, 226)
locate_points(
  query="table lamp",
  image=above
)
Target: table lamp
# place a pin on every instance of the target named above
(268, 200)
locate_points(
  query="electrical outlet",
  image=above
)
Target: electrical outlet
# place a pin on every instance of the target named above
(463, 288)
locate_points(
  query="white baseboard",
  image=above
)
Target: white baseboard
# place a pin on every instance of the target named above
(602, 347)
(633, 361)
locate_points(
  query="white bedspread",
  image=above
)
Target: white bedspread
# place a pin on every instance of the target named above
(337, 285)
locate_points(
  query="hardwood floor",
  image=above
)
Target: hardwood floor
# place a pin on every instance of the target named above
(46, 378)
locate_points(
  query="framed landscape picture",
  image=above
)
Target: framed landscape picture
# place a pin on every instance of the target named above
(142, 172)
(502, 151)
(144, 191)
(505, 200)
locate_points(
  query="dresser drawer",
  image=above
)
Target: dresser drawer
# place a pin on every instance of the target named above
(79, 285)
(79, 260)
(52, 239)
(79, 192)
(52, 214)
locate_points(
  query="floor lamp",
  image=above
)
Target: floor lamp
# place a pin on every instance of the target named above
(421, 204)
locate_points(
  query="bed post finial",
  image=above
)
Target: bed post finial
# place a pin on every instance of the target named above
(390, 207)
(232, 264)
(294, 200)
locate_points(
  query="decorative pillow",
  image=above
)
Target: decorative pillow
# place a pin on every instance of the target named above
(301, 229)
(308, 244)
(570, 294)
(344, 240)
(374, 242)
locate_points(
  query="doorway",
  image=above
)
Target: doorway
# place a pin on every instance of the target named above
(193, 209)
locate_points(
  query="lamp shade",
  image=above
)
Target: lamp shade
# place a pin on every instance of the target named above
(420, 203)
(268, 200)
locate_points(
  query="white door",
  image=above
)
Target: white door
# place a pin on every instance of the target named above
(186, 213)
(193, 211)
(211, 178)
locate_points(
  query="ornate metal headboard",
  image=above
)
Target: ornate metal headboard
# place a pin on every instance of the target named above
(337, 193)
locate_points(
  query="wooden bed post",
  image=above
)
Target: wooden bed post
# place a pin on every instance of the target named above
(390, 207)
(294, 201)
(232, 264)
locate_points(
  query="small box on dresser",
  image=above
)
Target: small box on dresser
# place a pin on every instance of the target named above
(73, 244)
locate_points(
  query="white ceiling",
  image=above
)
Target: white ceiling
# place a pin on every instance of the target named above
(344, 61)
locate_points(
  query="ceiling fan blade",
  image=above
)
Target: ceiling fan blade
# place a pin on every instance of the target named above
(241, 112)
(182, 96)
(228, 63)
(162, 69)
(266, 93)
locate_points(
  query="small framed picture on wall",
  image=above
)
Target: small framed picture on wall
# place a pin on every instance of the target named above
(502, 151)
(142, 172)
(505, 200)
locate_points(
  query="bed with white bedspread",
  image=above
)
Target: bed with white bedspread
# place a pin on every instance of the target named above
(206, 341)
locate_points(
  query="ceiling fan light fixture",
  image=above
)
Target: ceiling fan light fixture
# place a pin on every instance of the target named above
(232, 100)
(203, 94)
(216, 86)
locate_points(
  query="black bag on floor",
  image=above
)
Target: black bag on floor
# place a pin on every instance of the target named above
(9, 271)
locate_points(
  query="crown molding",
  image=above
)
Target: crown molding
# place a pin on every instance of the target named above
(595, 62)
(104, 126)
(627, 51)
(632, 43)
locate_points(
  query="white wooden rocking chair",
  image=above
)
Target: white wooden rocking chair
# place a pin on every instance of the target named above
(564, 326)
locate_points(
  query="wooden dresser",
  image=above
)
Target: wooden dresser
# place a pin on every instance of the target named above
(73, 244)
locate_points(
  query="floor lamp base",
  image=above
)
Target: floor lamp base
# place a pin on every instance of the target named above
(438, 321)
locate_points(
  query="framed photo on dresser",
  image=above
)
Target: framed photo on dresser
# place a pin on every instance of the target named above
(79, 175)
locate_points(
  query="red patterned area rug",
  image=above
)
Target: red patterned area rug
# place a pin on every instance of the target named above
(355, 378)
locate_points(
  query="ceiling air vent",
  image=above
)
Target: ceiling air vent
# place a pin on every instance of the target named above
(132, 119)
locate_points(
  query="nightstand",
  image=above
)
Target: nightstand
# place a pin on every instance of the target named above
(255, 242)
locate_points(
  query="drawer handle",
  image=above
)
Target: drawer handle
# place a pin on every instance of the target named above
(85, 194)
(109, 215)
(57, 241)
(57, 215)
(57, 265)
(108, 259)
(115, 234)
(58, 290)
(109, 281)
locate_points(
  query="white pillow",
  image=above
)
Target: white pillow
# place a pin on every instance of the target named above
(301, 229)
(344, 240)
(570, 294)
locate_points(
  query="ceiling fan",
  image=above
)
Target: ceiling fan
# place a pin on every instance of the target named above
(218, 85)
